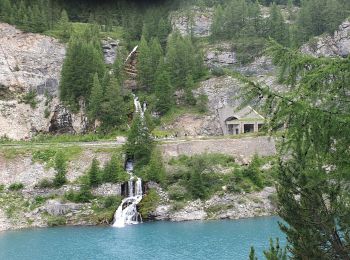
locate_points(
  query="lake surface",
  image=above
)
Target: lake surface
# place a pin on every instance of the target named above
(227, 239)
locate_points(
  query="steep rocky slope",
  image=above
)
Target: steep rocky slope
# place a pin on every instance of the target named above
(337, 44)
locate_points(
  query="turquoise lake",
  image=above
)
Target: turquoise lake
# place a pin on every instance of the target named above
(227, 239)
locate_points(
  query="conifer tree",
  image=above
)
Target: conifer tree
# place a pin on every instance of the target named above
(5, 10)
(94, 174)
(163, 89)
(63, 26)
(61, 170)
(140, 144)
(144, 64)
(276, 26)
(96, 99)
(156, 54)
(113, 171)
(156, 170)
(312, 188)
(113, 108)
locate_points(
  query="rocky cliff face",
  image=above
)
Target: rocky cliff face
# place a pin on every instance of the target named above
(194, 21)
(30, 65)
(330, 45)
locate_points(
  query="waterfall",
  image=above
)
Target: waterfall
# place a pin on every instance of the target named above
(127, 214)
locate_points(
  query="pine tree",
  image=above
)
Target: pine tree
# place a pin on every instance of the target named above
(113, 171)
(252, 255)
(276, 26)
(189, 98)
(63, 26)
(144, 64)
(156, 170)
(96, 99)
(82, 61)
(196, 185)
(94, 174)
(156, 54)
(163, 32)
(61, 170)
(163, 89)
(113, 108)
(140, 144)
(312, 188)
(5, 10)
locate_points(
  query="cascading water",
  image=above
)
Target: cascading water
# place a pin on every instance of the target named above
(126, 213)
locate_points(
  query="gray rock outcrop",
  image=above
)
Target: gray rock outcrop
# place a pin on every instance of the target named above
(330, 46)
(109, 47)
(194, 20)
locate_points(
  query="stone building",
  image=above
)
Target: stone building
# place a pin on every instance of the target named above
(234, 122)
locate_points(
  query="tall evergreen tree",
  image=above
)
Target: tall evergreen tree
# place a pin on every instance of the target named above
(96, 99)
(144, 64)
(61, 170)
(313, 174)
(82, 61)
(113, 108)
(94, 174)
(276, 26)
(113, 171)
(63, 26)
(140, 144)
(163, 89)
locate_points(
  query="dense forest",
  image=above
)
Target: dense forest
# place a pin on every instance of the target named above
(313, 190)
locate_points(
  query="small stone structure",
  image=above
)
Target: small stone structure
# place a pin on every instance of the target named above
(246, 120)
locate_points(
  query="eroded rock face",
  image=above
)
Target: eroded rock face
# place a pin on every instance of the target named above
(61, 121)
(195, 21)
(29, 61)
(109, 47)
(330, 46)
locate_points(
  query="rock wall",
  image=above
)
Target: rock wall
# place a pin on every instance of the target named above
(195, 20)
(330, 45)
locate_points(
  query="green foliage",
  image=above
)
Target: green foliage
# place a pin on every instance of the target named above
(140, 144)
(30, 99)
(96, 99)
(149, 203)
(94, 174)
(113, 113)
(275, 252)
(54, 221)
(183, 59)
(44, 183)
(312, 171)
(83, 196)
(113, 171)
(163, 90)
(155, 170)
(64, 27)
(317, 17)
(252, 255)
(84, 58)
(16, 186)
(276, 26)
(248, 48)
(61, 170)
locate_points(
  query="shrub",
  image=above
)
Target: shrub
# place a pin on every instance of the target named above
(16, 186)
(149, 203)
(217, 71)
(177, 192)
(30, 99)
(44, 183)
(54, 221)
(83, 196)
(2, 187)
(111, 201)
